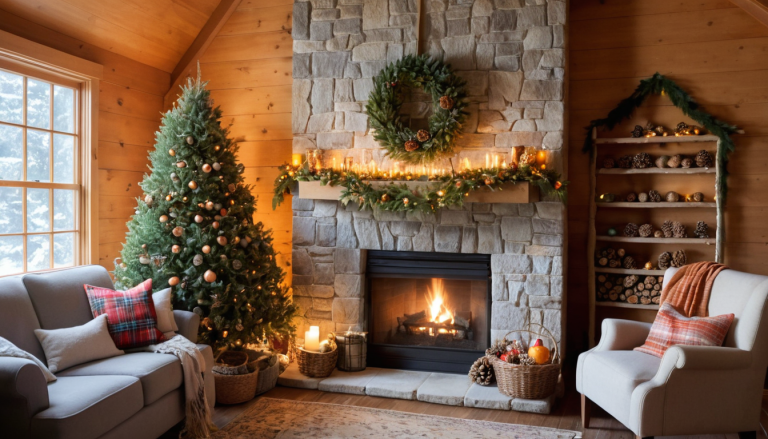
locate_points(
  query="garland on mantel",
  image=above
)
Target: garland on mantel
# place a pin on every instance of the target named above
(397, 196)
(659, 84)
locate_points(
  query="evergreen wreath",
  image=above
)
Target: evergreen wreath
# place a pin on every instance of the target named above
(659, 84)
(384, 102)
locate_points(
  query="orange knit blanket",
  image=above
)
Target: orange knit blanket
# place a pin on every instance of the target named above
(688, 290)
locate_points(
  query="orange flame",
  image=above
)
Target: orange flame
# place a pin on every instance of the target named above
(437, 307)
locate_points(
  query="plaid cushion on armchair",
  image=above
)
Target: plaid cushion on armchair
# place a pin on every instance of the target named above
(131, 315)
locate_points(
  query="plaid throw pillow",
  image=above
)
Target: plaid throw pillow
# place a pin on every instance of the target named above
(131, 316)
(671, 328)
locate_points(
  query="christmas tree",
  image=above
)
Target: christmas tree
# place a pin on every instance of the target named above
(194, 231)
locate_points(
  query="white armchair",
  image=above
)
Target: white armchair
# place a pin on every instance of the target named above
(692, 389)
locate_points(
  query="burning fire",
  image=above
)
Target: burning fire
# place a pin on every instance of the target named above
(437, 308)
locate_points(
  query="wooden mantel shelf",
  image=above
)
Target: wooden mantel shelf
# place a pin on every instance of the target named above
(522, 192)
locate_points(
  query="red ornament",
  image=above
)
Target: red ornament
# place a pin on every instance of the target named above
(223, 212)
(558, 185)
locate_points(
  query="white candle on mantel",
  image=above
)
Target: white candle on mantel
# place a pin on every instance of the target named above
(312, 339)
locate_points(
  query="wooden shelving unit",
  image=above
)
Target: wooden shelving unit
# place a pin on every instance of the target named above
(596, 206)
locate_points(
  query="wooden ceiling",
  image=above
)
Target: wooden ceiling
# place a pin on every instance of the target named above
(153, 32)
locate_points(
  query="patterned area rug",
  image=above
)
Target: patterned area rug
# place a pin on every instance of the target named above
(279, 418)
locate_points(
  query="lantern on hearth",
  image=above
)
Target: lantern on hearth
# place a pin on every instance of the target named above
(296, 159)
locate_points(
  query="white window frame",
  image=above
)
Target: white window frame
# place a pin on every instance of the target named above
(31, 59)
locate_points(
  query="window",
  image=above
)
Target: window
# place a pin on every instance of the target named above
(40, 187)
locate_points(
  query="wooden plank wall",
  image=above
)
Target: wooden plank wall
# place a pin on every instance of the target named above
(713, 50)
(130, 103)
(249, 69)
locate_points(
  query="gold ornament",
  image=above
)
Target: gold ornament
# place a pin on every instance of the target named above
(144, 246)
(648, 266)
(222, 240)
(163, 218)
(384, 198)
(216, 148)
(206, 249)
(406, 201)
(192, 185)
(206, 168)
(176, 248)
(168, 198)
(172, 153)
(181, 164)
(173, 281)
(198, 219)
(177, 231)
(209, 276)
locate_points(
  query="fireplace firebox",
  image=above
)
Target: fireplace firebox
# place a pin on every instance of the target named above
(427, 311)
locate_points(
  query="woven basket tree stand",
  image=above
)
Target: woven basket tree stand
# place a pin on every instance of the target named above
(529, 382)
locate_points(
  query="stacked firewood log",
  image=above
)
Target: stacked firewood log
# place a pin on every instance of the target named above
(631, 288)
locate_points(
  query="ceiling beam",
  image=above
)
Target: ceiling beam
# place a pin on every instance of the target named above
(187, 64)
(755, 8)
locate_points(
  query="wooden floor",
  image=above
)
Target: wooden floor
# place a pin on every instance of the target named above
(566, 414)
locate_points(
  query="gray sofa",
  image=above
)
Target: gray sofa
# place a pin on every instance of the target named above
(136, 395)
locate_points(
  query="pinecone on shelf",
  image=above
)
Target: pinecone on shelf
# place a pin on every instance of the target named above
(666, 228)
(645, 230)
(631, 197)
(664, 260)
(702, 230)
(608, 163)
(481, 372)
(638, 131)
(674, 161)
(679, 259)
(686, 162)
(678, 230)
(698, 197)
(654, 196)
(642, 160)
(630, 230)
(625, 162)
(629, 263)
(672, 197)
(703, 159)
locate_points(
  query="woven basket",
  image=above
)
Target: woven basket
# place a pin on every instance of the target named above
(231, 363)
(316, 364)
(529, 382)
(235, 389)
(268, 378)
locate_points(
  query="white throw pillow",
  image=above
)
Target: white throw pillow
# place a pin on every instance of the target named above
(166, 323)
(8, 349)
(69, 347)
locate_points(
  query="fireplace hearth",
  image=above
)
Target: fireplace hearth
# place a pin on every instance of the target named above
(427, 311)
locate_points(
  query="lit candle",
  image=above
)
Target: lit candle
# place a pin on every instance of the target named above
(504, 164)
(296, 159)
(312, 339)
(334, 164)
(487, 160)
(495, 160)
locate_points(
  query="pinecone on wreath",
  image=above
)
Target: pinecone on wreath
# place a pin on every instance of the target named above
(702, 230)
(642, 160)
(638, 131)
(679, 259)
(667, 229)
(625, 162)
(654, 196)
(703, 159)
(678, 230)
(629, 263)
(446, 103)
(630, 230)
(664, 260)
(481, 372)
(411, 145)
(422, 135)
(645, 230)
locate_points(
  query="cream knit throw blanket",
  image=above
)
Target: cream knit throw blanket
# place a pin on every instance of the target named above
(8, 349)
(198, 421)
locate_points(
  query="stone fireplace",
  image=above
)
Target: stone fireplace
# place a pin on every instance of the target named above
(511, 53)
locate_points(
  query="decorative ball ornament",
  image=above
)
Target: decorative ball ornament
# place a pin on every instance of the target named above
(244, 243)
(207, 168)
(178, 231)
(216, 166)
(223, 212)
(197, 260)
(174, 176)
(672, 197)
(222, 240)
(190, 140)
(215, 224)
(171, 152)
(558, 185)
(163, 218)
(236, 264)
(217, 147)
(384, 198)
(181, 164)
(406, 201)
(168, 198)
(148, 200)
(209, 205)
(176, 248)
(231, 187)
(206, 249)
(173, 281)
(209, 276)
(144, 246)
(648, 266)
(192, 185)
(642, 197)
(612, 232)
(658, 234)
(144, 260)
(198, 219)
